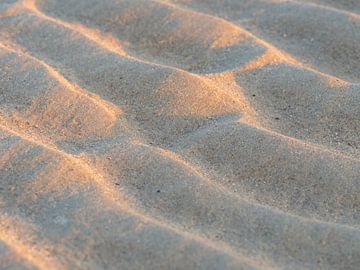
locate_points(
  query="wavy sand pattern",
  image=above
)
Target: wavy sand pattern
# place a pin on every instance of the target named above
(179, 134)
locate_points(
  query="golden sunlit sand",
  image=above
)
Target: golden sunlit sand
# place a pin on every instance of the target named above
(179, 134)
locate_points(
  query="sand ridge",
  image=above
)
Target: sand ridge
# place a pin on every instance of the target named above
(184, 135)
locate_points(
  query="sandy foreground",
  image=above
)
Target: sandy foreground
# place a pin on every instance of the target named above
(179, 134)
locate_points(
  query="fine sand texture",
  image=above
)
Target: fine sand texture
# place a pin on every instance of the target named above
(179, 134)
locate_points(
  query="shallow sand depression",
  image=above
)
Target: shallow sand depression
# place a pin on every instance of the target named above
(179, 134)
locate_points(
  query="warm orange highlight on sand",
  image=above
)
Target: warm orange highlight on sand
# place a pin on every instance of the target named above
(35, 255)
(157, 134)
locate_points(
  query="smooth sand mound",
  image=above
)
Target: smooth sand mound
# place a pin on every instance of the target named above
(179, 134)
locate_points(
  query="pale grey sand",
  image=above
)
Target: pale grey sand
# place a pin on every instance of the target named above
(179, 134)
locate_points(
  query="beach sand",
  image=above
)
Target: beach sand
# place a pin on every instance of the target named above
(179, 134)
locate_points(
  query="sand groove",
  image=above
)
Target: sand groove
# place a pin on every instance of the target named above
(330, 7)
(186, 135)
(47, 139)
(264, 27)
(108, 193)
(111, 110)
(23, 251)
(272, 52)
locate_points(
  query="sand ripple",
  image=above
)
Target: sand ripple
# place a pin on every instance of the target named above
(158, 134)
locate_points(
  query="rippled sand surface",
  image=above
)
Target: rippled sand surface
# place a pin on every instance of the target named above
(179, 134)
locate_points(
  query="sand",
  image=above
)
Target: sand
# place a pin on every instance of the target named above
(179, 134)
